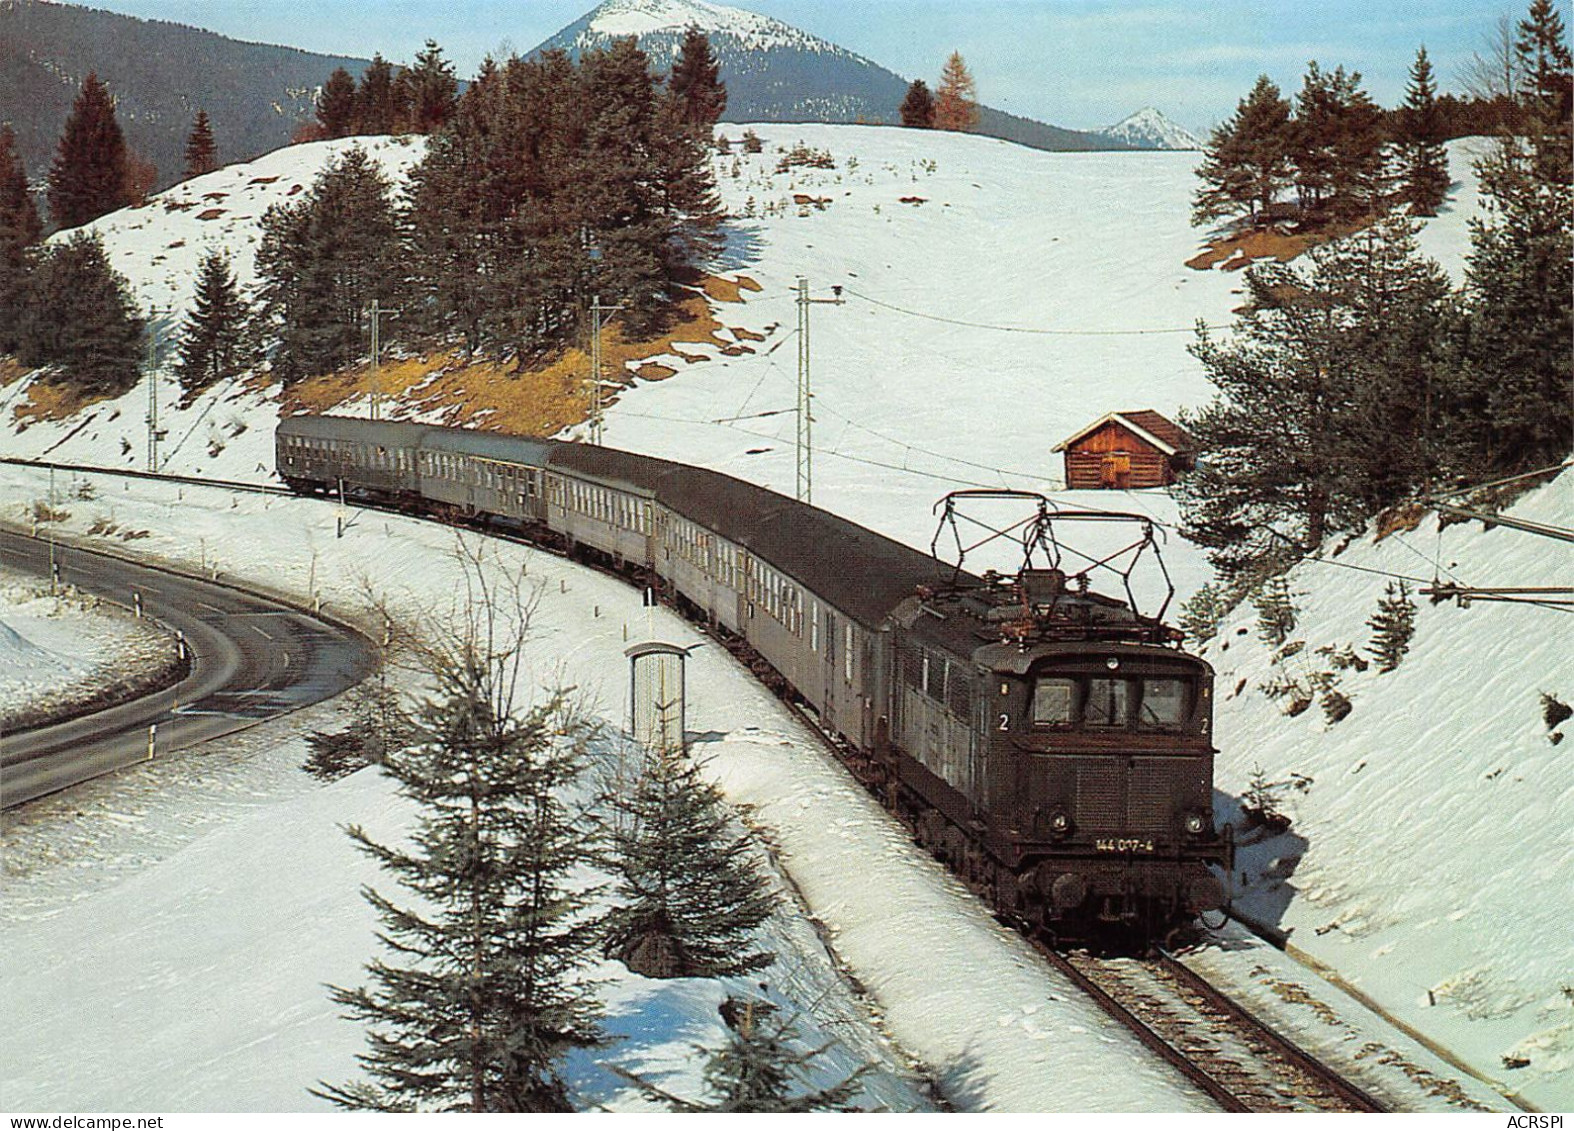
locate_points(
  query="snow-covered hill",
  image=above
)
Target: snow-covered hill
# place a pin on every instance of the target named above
(995, 299)
(1149, 129)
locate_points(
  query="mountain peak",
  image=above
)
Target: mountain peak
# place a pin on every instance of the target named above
(671, 18)
(1150, 129)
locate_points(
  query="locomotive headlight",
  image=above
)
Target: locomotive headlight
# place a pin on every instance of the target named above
(1059, 824)
(1195, 823)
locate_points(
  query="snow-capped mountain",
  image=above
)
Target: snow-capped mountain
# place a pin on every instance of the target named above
(778, 73)
(1149, 129)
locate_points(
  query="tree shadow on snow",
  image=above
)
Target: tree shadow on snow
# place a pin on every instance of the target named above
(741, 245)
(1259, 887)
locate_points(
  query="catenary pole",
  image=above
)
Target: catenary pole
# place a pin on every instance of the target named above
(804, 480)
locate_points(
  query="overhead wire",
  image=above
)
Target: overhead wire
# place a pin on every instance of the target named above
(1053, 332)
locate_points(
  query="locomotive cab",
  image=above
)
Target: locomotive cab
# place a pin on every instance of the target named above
(1100, 779)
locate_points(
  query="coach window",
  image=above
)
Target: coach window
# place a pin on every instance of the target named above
(1108, 703)
(1053, 701)
(1164, 705)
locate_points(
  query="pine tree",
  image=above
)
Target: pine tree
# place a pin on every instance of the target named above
(80, 320)
(336, 104)
(1518, 278)
(214, 343)
(1331, 392)
(20, 229)
(763, 1067)
(491, 999)
(691, 896)
(433, 91)
(1422, 153)
(1339, 148)
(322, 261)
(1275, 611)
(1246, 164)
(88, 177)
(1392, 627)
(918, 108)
(696, 83)
(379, 726)
(376, 109)
(956, 99)
(1546, 92)
(202, 155)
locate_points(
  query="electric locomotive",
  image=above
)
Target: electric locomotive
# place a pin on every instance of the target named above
(1051, 742)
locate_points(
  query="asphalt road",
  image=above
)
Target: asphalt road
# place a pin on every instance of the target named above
(252, 659)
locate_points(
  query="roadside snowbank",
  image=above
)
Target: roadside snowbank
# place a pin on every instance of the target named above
(61, 654)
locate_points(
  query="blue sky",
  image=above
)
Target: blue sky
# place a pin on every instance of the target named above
(1078, 63)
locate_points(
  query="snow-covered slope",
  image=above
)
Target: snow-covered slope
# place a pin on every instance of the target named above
(995, 300)
(1431, 858)
(1149, 129)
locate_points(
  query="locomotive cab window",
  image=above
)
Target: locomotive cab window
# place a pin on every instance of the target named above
(1054, 700)
(1108, 703)
(1165, 705)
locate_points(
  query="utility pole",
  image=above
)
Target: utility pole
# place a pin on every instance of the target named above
(377, 354)
(596, 312)
(805, 444)
(154, 435)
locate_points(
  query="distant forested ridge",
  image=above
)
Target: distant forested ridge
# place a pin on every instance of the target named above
(160, 74)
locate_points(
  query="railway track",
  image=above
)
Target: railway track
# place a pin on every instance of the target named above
(1238, 1061)
(1231, 1056)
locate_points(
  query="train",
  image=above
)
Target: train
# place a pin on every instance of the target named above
(1047, 741)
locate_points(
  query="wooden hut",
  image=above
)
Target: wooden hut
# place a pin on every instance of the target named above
(1127, 449)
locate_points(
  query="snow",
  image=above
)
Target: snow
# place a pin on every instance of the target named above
(63, 648)
(643, 17)
(192, 976)
(1150, 129)
(1445, 773)
(1028, 294)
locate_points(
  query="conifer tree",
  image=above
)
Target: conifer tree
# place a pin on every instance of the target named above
(379, 725)
(141, 177)
(1392, 627)
(202, 154)
(695, 83)
(1519, 284)
(20, 228)
(956, 99)
(1546, 92)
(322, 260)
(690, 894)
(1422, 153)
(1246, 164)
(918, 108)
(1330, 396)
(1339, 149)
(433, 91)
(1275, 611)
(762, 1067)
(88, 176)
(336, 104)
(376, 109)
(215, 340)
(490, 997)
(80, 320)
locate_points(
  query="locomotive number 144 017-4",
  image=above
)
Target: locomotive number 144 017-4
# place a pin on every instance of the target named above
(1122, 844)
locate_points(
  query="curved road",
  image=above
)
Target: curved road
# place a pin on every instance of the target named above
(252, 659)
